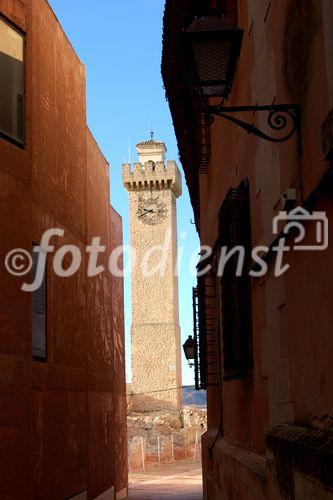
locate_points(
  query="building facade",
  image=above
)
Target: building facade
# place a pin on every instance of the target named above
(153, 188)
(264, 341)
(62, 389)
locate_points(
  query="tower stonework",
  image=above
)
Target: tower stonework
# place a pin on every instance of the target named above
(153, 188)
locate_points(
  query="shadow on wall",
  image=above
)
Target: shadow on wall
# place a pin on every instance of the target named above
(301, 28)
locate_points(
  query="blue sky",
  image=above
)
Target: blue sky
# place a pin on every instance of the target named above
(120, 45)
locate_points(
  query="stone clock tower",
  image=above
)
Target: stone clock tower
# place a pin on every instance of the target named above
(153, 188)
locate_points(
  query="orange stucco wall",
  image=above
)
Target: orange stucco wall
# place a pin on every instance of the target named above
(283, 57)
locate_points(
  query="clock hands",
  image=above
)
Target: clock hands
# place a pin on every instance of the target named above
(157, 211)
(146, 211)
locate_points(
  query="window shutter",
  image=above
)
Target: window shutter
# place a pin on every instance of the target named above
(207, 365)
(234, 230)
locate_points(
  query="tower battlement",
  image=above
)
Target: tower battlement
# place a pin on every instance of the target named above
(151, 175)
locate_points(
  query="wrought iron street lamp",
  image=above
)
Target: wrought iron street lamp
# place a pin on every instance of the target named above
(190, 350)
(211, 49)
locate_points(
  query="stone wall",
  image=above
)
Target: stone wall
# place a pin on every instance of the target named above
(165, 436)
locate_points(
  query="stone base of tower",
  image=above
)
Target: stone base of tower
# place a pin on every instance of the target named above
(147, 404)
(156, 369)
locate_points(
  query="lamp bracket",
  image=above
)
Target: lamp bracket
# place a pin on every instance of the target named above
(284, 118)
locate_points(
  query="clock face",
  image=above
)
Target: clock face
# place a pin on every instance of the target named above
(151, 210)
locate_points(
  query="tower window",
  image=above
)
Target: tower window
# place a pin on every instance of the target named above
(11, 84)
(38, 314)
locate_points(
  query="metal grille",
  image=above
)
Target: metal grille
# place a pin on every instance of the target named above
(235, 229)
(205, 141)
(207, 361)
(197, 363)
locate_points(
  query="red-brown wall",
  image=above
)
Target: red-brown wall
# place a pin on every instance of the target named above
(119, 396)
(62, 423)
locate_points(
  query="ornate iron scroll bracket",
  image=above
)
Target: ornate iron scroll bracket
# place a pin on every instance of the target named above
(282, 118)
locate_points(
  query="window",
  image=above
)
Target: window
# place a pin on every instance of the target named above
(235, 230)
(11, 83)
(38, 313)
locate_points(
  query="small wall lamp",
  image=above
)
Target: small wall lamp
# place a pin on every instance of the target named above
(190, 350)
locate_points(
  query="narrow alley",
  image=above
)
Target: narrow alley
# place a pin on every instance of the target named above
(182, 480)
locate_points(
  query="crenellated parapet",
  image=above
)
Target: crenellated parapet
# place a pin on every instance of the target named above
(153, 175)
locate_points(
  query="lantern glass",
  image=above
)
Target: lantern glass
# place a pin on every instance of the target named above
(189, 348)
(213, 46)
(213, 77)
